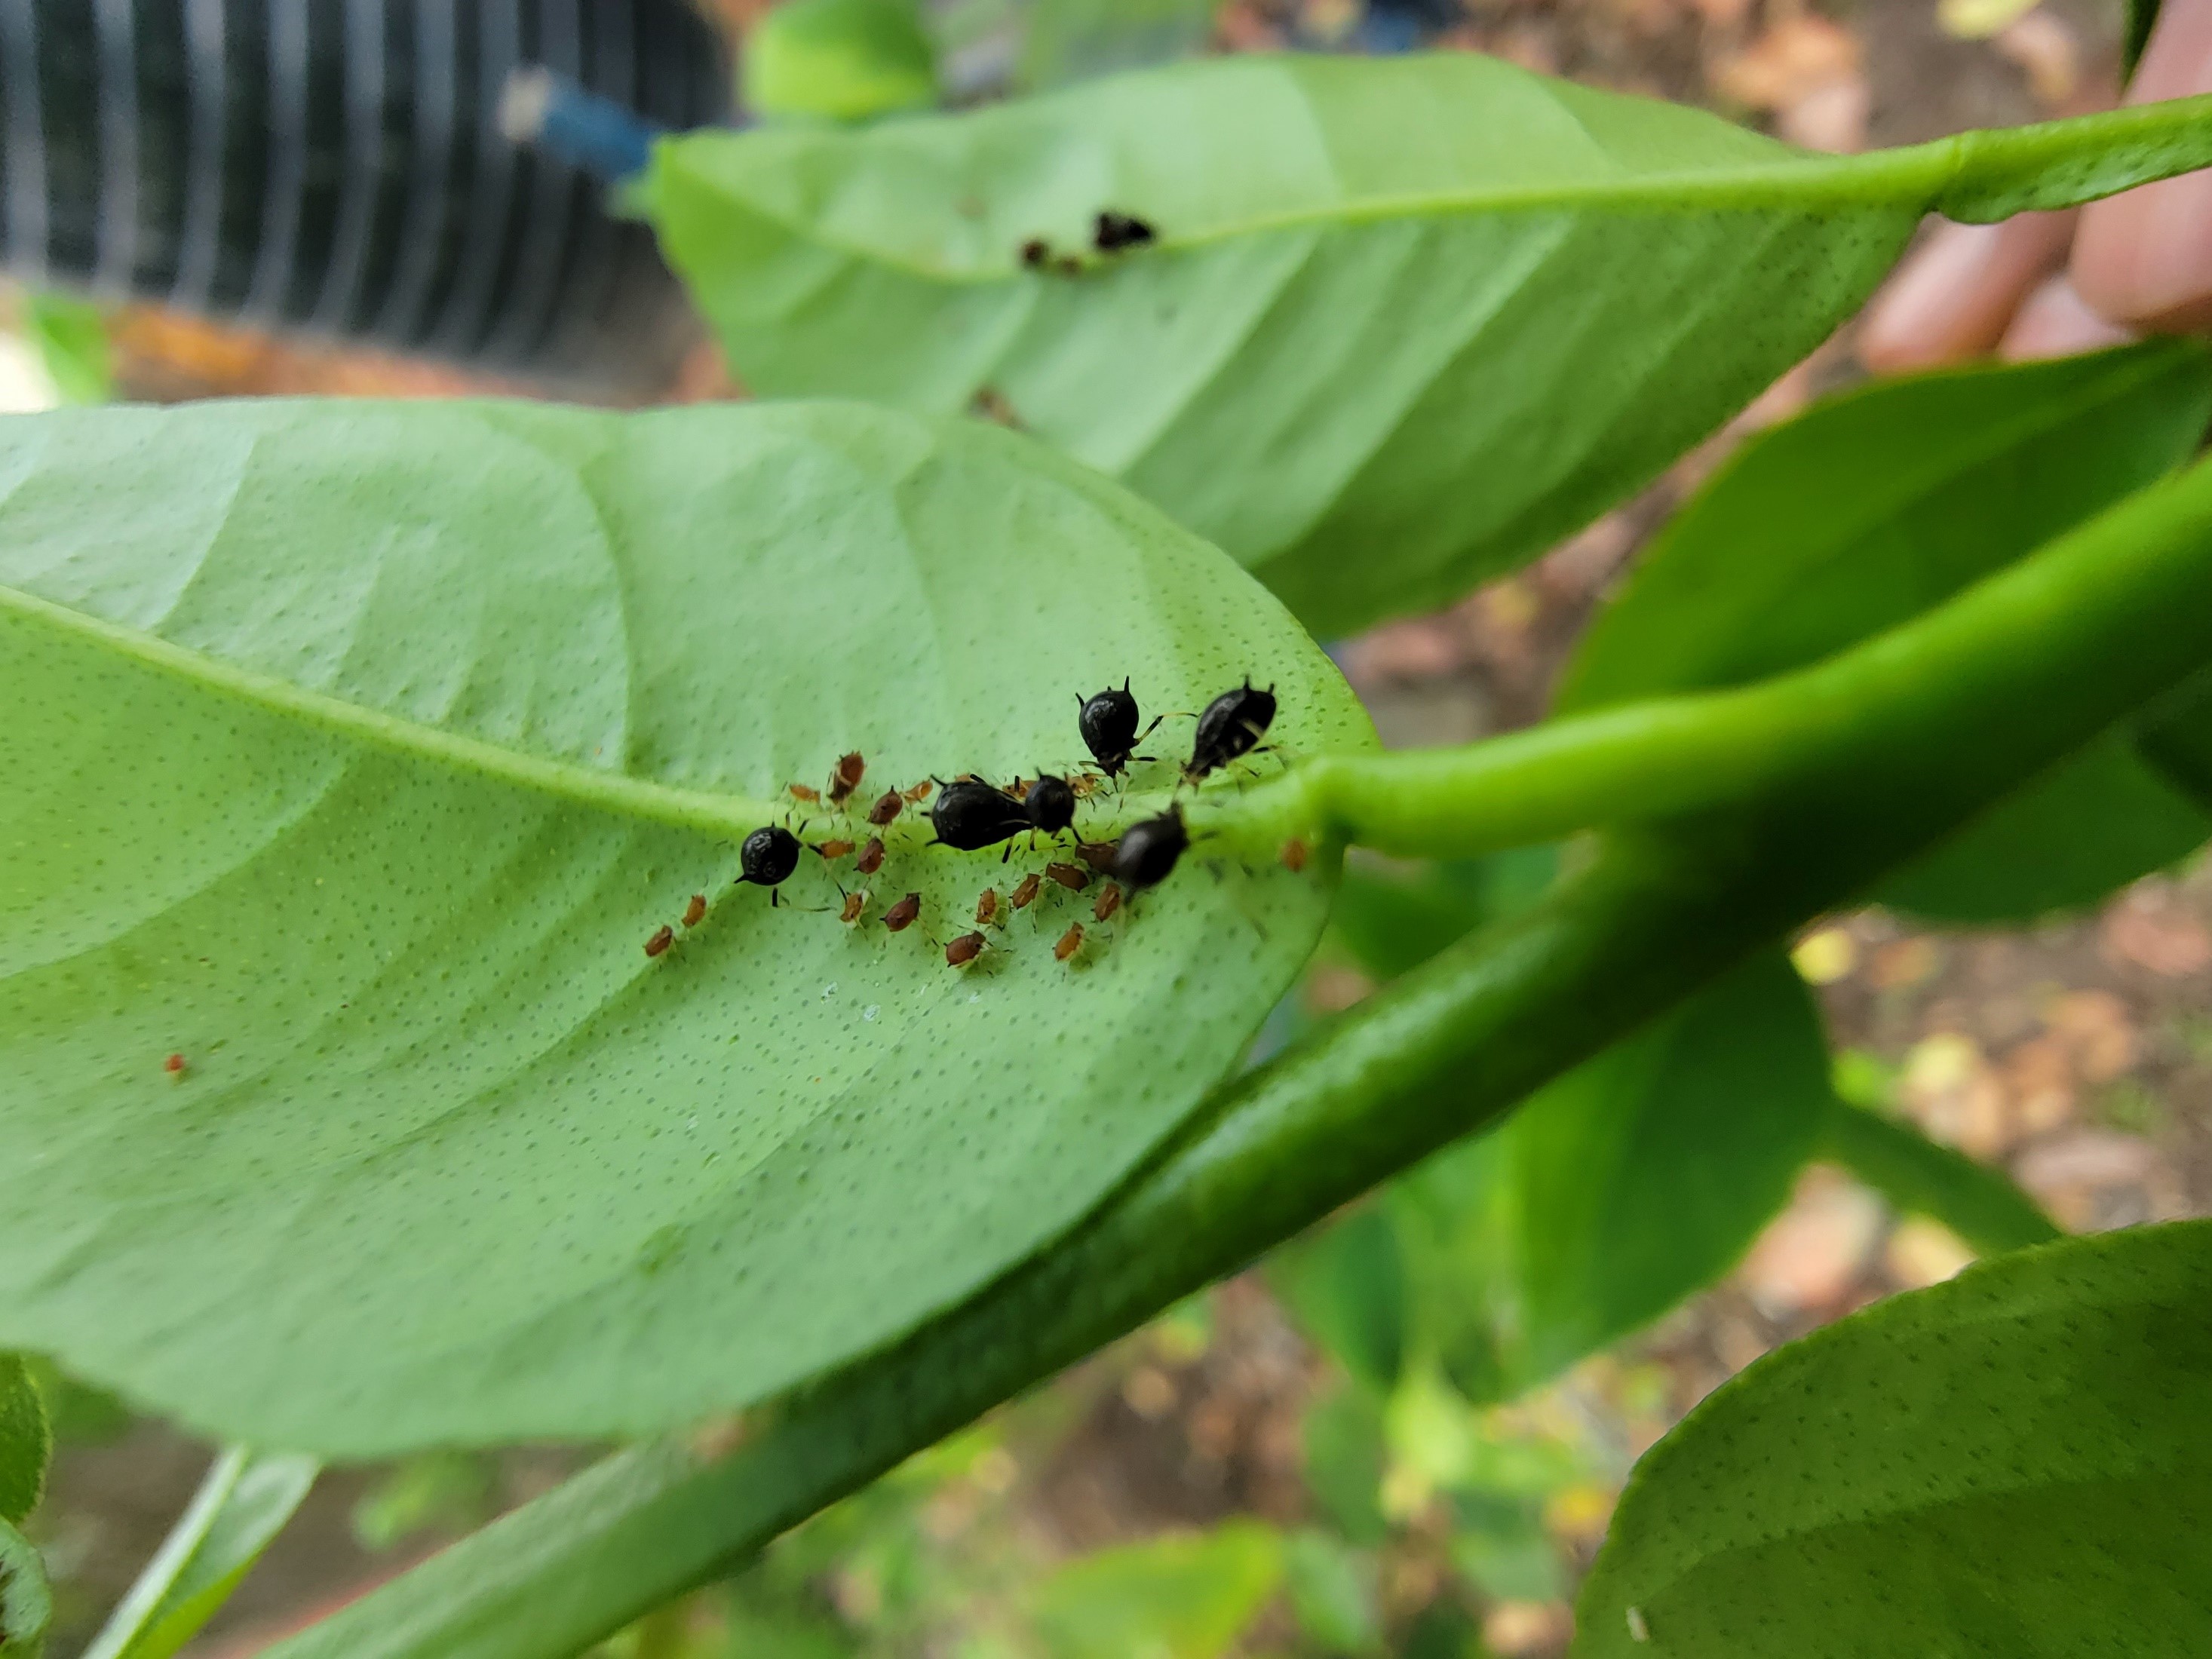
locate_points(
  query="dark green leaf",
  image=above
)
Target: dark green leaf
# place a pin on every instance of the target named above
(842, 60)
(353, 753)
(24, 1441)
(1981, 1205)
(1612, 1193)
(2012, 1462)
(1347, 1287)
(1394, 920)
(240, 1507)
(1636, 1179)
(1407, 322)
(1874, 508)
(2082, 831)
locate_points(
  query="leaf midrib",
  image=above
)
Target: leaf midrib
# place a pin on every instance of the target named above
(1806, 185)
(707, 812)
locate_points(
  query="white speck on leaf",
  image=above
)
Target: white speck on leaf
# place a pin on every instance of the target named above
(1637, 1629)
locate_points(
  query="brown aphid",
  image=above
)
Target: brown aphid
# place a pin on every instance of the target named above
(964, 950)
(1069, 876)
(1070, 943)
(887, 808)
(900, 916)
(920, 792)
(661, 939)
(855, 903)
(846, 779)
(1109, 901)
(986, 908)
(800, 792)
(1294, 855)
(1098, 855)
(1024, 893)
(872, 856)
(1085, 784)
(695, 912)
(175, 1065)
(834, 849)
(1036, 252)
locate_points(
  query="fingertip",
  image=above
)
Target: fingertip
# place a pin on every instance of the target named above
(2055, 321)
(1955, 296)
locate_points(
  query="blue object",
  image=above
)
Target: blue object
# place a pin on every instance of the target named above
(581, 129)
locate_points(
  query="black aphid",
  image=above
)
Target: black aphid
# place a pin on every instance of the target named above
(1108, 720)
(766, 857)
(1050, 804)
(1112, 232)
(970, 815)
(1146, 853)
(1232, 724)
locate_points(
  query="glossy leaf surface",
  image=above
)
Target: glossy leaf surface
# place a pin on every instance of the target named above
(1871, 509)
(1406, 321)
(2012, 1462)
(354, 751)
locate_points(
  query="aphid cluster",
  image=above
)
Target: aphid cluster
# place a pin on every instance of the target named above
(1112, 232)
(971, 814)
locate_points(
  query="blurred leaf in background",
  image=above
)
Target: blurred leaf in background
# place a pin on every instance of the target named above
(443, 1492)
(72, 336)
(1180, 1597)
(1071, 41)
(838, 60)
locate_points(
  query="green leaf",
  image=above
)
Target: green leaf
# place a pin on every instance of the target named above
(1407, 320)
(353, 753)
(1344, 1461)
(2076, 834)
(1982, 1206)
(842, 60)
(1393, 920)
(1347, 1287)
(72, 335)
(26, 1604)
(1874, 508)
(240, 1507)
(1633, 1181)
(1177, 1597)
(26, 1443)
(1332, 1593)
(2012, 1462)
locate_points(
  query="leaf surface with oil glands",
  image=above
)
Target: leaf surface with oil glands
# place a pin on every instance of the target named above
(1403, 322)
(2012, 1462)
(354, 754)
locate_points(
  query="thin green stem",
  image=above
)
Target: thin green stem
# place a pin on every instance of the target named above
(2013, 642)
(2101, 624)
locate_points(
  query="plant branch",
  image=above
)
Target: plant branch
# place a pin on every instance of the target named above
(2008, 649)
(1866, 760)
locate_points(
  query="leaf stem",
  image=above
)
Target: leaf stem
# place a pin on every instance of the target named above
(2013, 649)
